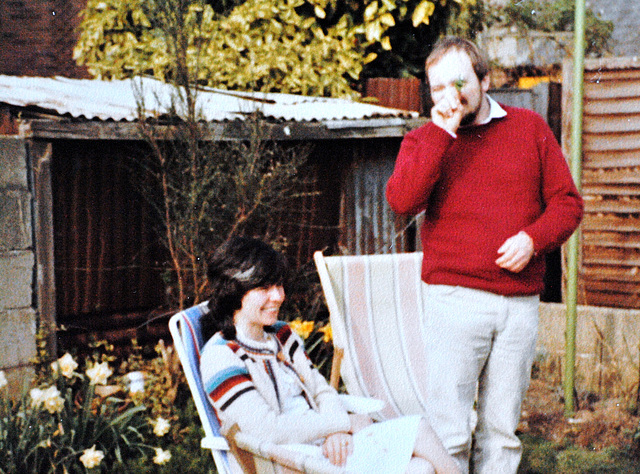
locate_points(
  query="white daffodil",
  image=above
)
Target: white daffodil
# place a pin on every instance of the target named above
(52, 400)
(161, 426)
(3, 379)
(162, 456)
(65, 365)
(91, 457)
(37, 397)
(99, 373)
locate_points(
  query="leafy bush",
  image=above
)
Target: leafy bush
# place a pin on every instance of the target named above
(309, 47)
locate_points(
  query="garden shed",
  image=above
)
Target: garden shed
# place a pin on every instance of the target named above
(96, 263)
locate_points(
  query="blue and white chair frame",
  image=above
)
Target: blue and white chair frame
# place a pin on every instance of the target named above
(267, 457)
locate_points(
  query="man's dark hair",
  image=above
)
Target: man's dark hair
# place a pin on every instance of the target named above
(448, 43)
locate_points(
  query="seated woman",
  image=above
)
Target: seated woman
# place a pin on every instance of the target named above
(258, 376)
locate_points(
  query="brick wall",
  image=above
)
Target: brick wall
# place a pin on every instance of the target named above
(38, 36)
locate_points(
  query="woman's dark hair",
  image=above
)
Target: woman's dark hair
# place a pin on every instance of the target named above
(238, 266)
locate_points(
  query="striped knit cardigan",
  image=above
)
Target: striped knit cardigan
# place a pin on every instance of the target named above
(243, 392)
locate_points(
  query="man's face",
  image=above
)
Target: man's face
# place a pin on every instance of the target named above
(453, 80)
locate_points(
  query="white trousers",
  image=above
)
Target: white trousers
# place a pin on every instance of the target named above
(479, 343)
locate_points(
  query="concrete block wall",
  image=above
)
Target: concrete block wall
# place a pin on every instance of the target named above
(17, 265)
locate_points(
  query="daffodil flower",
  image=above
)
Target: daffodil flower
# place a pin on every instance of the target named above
(91, 457)
(161, 426)
(302, 328)
(99, 373)
(162, 456)
(64, 365)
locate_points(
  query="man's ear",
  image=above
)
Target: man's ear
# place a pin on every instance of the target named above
(485, 83)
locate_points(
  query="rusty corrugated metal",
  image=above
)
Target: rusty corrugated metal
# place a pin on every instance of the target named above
(367, 223)
(109, 263)
(610, 256)
(107, 257)
(405, 93)
(119, 100)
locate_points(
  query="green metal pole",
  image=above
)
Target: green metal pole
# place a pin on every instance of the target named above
(574, 242)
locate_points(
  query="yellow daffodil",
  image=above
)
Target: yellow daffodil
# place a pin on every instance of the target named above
(328, 333)
(302, 328)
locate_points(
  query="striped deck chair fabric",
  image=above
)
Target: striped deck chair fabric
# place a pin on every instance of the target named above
(376, 312)
(264, 457)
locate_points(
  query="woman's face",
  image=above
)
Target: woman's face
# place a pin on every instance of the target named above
(260, 308)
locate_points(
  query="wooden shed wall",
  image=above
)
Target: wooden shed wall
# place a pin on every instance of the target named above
(108, 262)
(610, 250)
(108, 265)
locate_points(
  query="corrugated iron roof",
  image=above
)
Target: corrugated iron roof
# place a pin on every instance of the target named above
(118, 100)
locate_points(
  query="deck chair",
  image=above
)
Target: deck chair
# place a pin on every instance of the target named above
(376, 312)
(247, 454)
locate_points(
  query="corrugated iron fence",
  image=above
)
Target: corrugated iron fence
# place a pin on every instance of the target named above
(610, 257)
(107, 261)
(109, 264)
(405, 93)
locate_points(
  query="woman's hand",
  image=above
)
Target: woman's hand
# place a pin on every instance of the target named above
(359, 422)
(337, 447)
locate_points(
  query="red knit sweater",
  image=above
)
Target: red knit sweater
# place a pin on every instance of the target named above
(481, 188)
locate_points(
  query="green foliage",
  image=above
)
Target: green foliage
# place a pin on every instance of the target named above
(539, 455)
(309, 47)
(49, 430)
(557, 16)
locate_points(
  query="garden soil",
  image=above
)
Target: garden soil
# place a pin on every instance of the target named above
(596, 424)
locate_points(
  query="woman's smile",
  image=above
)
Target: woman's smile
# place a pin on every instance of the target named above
(260, 308)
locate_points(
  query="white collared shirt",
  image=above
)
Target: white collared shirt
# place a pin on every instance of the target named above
(495, 112)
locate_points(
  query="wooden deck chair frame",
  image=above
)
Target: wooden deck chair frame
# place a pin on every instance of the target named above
(249, 455)
(376, 312)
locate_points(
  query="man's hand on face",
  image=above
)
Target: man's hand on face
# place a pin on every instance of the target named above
(516, 252)
(448, 111)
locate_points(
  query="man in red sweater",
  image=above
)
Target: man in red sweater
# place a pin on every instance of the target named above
(498, 195)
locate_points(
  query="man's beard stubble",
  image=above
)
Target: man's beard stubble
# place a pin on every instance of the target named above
(469, 118)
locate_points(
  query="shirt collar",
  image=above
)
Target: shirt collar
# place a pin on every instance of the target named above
(495, 111)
